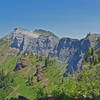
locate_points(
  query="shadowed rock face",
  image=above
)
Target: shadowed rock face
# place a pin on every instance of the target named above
(71, 51)
(47, 98)
(19, 98)
(19, 66)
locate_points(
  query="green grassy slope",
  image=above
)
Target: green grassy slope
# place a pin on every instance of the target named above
(51, 76)
(52, 83)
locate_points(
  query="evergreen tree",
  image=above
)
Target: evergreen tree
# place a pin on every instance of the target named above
(46, 61)
(5, 83)
(88, 53)
(92, 51)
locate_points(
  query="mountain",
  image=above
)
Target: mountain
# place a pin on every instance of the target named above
(71, 51)
(33, 65)
(39, 41)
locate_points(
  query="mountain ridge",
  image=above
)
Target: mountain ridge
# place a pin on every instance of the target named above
(71, 51)
(45, 66)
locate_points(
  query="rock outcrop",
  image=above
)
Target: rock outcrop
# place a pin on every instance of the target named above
(38, 73)
(39, 42)
(19, 66)
(71, 51)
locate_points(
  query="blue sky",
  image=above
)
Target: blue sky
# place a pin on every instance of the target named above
(66, 18)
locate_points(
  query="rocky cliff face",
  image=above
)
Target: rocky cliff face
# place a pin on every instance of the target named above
(36, 42)
(72, 51)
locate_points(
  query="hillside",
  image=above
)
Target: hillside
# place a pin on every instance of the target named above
(40, 66)
(34, 71)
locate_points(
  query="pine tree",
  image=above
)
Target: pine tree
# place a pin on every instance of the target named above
(92, 51)
(47, 61)
(88, 53)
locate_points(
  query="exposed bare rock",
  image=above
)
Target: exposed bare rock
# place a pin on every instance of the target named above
(71, 51)
(39, 72)
(19, 66)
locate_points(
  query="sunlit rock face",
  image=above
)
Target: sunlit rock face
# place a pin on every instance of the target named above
(21, 38)
(71, 51)
(39, 41)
